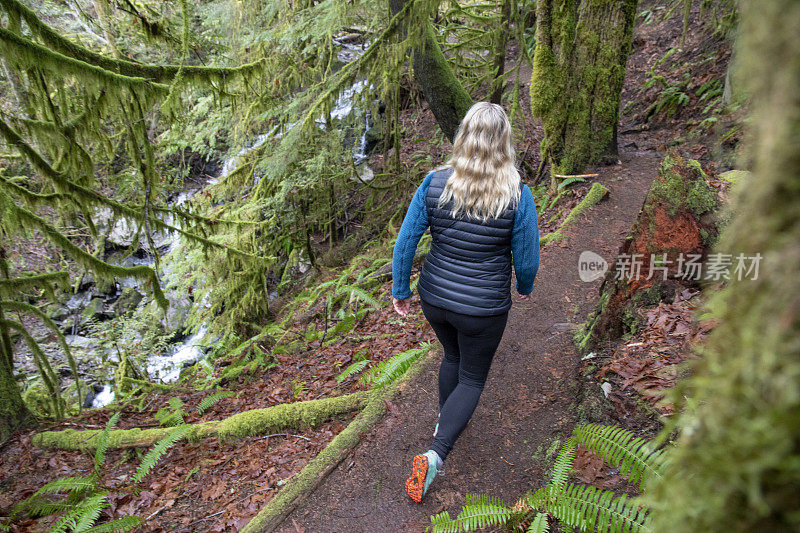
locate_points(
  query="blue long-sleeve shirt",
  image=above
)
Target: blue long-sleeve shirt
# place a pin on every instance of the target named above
(524, 241)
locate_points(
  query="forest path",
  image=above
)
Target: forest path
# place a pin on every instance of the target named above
(527, 403)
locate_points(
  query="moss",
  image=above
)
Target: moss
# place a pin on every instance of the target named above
(315, 471)
(295, 415)
(595, 194)
(248, 423)
(577, 76)
(585, 335)
(681, 185)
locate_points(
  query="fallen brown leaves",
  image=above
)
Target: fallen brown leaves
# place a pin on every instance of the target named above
(212, 485)
(650, 361)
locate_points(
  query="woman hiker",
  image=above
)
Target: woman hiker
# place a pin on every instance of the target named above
(481, 217)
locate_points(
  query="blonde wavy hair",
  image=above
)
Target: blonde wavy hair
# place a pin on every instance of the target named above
(485, 180)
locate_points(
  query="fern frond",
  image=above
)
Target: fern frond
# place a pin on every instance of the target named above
(563, 465)
(442, 523)
(36, 506)
(387, 371)
(81, 516)
(68, 484)
(207, 402)
(354, 368)
(539, 524)
(361, 294)
(342, 327)
(90, 511)
(592, 509)
(120, 525)
(569, 181)
(620, 448)
(102, 444)
(161, 447)
(483, 511)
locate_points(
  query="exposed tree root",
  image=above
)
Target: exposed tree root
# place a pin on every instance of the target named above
(248, 423)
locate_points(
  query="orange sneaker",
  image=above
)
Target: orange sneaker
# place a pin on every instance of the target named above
(423, 471)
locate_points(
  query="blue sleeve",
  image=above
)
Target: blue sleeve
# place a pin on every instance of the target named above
(525, 242)
(414, 225)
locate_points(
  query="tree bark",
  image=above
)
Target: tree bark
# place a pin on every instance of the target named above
(445, 94)
(578, 70)
(496, 95)
(736, 466)
(12, 408)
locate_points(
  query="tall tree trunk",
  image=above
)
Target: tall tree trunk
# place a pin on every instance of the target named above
(736, 466)
(12, 408)
(503, 30)
(445, 94)
(578, 70)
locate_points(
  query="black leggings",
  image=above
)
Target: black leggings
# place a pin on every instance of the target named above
(469, 344)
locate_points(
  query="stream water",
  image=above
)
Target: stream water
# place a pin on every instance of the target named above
(167, 367)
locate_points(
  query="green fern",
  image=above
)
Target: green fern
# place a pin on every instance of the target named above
(172, 413)
(479, 511)
(563, 465)
(341, 327)
(569, 181)
(620, 448)
(161, 447)
(102, 444)
(207, 402)
(120, 525)
(387, 371)
(539, 524)
(587, 508)
(354, 368)
(592, 509)
(68, 484)
(81, 517)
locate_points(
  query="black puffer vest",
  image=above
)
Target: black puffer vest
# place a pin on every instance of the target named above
(468, 269)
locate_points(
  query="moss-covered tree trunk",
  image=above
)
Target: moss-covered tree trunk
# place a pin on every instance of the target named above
(578, 70)
(445, 94)
(737, 463)
(12, 408)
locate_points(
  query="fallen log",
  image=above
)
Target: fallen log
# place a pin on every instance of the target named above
(251, 423)
(595, 194)
(310, 477)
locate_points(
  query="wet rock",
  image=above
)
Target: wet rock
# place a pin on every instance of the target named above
(127, 301)
(93, 310)
(78, 341)
(177, 313)
(58, 312)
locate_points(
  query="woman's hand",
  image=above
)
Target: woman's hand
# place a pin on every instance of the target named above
(524, 296)
(402, 306)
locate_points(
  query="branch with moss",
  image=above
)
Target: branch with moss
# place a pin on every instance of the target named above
(156, 73)
(251, 423)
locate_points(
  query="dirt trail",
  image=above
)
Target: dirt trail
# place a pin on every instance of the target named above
(525, 405)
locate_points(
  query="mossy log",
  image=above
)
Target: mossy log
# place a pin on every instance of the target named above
(595, 194)
(301, 485)
(578, 71)
(246, 424)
